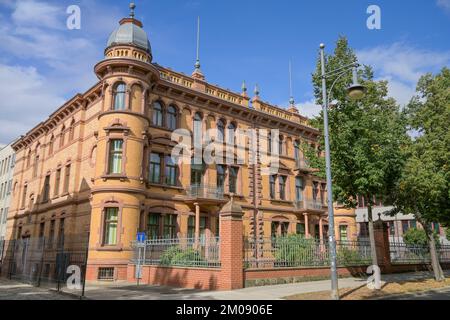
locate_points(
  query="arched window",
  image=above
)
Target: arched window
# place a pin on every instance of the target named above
(171, 120)
(72, 130)
(62, 137)
(220, 130)
(297, 151)
(280, 145)
(198, 129)
(119, 96)
(157, 114)
(232, 134)
(269, 142)
(50, 145)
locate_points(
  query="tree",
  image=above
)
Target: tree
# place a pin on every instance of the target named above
(423, 189)
(366, 137)
(417, 237)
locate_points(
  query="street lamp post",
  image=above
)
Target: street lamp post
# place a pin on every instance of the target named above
(356, 91)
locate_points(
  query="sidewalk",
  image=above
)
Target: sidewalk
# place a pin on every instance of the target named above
(121, 291)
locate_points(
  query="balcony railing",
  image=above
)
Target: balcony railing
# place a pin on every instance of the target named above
(302, 164)
(205, 192)
(309, 204)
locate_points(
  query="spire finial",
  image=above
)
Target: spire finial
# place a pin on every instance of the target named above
(132, 7)
(257, 90)
(197, 63)
(291, 100)
(244, 86)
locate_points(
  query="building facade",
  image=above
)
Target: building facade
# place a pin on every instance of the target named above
(102, 162)
(7, 164)
(397, 225)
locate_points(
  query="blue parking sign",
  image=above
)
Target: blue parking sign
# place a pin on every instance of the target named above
(141, 237)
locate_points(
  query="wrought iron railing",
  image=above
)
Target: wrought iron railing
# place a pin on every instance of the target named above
(205, 192)
(180, 252)
(295, 251)
(402, 253)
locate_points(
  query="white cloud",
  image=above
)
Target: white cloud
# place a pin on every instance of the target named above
(444, 4)
(32, 98)
(402, 65)
(309, 108)
(42, 63)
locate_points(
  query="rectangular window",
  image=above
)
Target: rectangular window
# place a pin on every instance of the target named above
(41, 234)
(9, 187)
(171, 171)
(282, 182)
(284, 228)
(392, 229)
(203, 226)
(115, 156)
(274, 229)
(315, 190)
(51, 236)
(436, 227)
(323, 187)
(343, 233)
(299, 189)
(35, 167)
(300, 229)
(57, 181)
(5, 215)
(233, 179)
(105, 274)
(405, 226)
(61, 232)
(46, 195)
(361, 202)
(111, 224)
(67, 179)
(170, 226)
(191, 227)
(153, 231)
(24, 196)
(220, 178)
(272, 178)
(413, 224)
(155, 168)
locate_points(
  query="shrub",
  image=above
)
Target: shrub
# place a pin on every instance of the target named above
(295, 250)
(177, 256)
(351, 257)
(447, 233)
(418, 237)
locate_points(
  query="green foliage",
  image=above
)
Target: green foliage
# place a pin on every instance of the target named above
(295, 250)
(447, 233)
(423, 189)
(418, 237)
(177, 256)
(366, 136)
(351, 257)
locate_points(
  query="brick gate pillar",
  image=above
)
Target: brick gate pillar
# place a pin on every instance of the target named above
(231, 247)
(382, 244)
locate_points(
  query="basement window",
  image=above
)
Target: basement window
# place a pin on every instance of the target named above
(106, 274)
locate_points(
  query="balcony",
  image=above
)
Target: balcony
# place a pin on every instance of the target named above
(309, 204)
(302, 165)
(209, 192)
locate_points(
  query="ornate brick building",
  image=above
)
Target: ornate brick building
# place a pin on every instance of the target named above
(101, 162)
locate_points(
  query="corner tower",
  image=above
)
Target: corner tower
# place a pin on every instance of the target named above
(119, 192)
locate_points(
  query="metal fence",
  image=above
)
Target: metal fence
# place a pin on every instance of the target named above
(45, 262)
(180, 252)
(296, 251)
(402, 253)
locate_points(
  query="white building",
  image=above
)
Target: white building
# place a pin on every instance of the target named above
(7, 163)
(398, 224)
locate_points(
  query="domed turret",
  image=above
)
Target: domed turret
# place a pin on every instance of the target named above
(129, 33)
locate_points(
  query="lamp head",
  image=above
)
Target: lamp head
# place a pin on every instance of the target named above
(356, 91)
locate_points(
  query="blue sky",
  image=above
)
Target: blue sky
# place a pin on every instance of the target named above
(42, 63)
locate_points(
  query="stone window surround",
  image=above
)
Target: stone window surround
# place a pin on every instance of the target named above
(112, 202)
(116, 130)
(128, 89)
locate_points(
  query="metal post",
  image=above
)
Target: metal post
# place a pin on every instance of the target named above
(332, 238)
(83, 289)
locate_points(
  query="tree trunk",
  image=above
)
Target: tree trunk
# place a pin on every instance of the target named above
(438, 273)
(373, 248)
